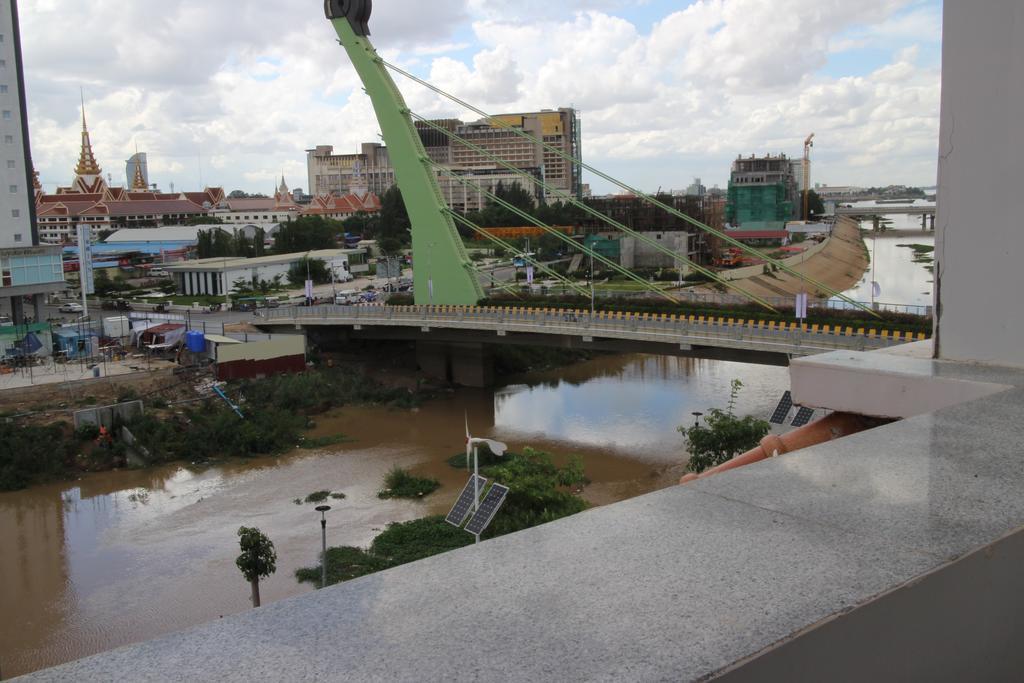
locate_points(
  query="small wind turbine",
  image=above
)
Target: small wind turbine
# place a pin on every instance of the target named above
(472, 444)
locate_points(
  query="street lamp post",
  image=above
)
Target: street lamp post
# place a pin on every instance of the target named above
(591, 283)
(696, 417)
(322, 509)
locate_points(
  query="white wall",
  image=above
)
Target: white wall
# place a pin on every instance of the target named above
(980, 227)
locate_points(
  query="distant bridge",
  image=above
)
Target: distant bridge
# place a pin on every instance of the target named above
(885, 210)
(451, 339)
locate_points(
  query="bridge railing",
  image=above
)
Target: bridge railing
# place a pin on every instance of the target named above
(580, 322)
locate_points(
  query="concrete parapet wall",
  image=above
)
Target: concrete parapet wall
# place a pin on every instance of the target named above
(106, 416)
(791, 261)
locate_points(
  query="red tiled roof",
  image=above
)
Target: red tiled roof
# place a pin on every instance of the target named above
(145, 207)
(65, 208)
(71, 197)
(350, 203)
(250, 204)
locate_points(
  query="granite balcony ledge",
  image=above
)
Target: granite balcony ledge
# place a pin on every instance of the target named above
(679, 584)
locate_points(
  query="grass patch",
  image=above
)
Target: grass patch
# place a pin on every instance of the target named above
(317, 496)
(540, 492)
(485, 458)
(314, 442)
(338, 496)
(399, 483)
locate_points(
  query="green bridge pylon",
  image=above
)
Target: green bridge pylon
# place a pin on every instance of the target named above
(442, 270)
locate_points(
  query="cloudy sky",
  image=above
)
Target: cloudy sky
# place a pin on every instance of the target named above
(232, 93)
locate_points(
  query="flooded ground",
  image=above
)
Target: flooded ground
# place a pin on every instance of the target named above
(120, 557)
(900, 280)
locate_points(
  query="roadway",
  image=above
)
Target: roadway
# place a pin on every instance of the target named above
(724, 338)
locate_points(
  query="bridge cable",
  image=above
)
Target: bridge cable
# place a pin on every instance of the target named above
(592, 211)
(642, 195)
(560, 235)
(511, 248)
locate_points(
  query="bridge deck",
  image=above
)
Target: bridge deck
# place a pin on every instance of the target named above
(791, 338)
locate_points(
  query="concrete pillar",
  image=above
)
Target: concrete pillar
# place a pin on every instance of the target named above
(38, 313)
(932, 222)
(466, 364)
(876, 223)
(17, 310)
(472, 365)
(433, 360)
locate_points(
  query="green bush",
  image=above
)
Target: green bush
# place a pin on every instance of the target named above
(540, 492)
(723, 436)
(399, 483)
(87, 432)
(318, 496)
(31, 454)
(409, 541)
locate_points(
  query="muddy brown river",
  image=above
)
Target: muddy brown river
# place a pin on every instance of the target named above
(120, 557)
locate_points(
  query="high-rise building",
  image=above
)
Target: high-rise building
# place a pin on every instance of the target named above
(331, 173)
(27, 269)
(763, 193)
(136, 170)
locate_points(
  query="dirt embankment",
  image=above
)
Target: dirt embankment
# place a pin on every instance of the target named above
(840, 265)
(49, 400)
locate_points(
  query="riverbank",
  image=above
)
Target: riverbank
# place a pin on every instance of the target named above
(110, 558)
(839, 265)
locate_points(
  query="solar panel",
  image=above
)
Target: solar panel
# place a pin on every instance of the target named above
(803, 416)
(488, 508)
(464, 505)
(782, 410)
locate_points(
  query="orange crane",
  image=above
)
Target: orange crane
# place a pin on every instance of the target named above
(808, 143)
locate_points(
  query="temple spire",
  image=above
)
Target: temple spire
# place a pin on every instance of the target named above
(87, 165)
(138, 181)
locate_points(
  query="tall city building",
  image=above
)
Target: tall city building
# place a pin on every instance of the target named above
(763, 193)
(370, 169)
(27, 269)
(137, 172)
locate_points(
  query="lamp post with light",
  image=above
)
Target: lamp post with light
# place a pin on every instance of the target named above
(322, 509)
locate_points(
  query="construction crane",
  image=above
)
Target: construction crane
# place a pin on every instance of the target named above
(808, 143)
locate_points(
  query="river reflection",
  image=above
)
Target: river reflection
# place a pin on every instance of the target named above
(630, 404)
(900, 279)
(119, 557)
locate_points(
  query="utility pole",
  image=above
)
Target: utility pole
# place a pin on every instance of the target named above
(591, 285)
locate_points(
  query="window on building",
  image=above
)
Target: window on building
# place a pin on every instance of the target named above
(3, 63)
(15, 213)
(11, 163)
(14, 189)
(7, 114)
(3, 88)
(9, 139)
(17, 237)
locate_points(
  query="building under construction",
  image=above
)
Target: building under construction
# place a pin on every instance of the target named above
(764, 193)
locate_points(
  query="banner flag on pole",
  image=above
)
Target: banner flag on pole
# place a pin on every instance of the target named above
(876, 289)
(529, 275)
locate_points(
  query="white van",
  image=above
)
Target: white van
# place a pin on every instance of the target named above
(347, 297)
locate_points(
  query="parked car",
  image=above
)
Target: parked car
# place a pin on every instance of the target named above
(70, 307)
(116, 305)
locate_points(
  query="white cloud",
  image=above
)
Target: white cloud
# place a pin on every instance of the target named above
(247, 88)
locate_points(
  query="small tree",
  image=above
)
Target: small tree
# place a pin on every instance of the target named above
(724, 435)
(258, 559)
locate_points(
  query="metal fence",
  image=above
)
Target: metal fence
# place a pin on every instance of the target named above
(734, 332)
